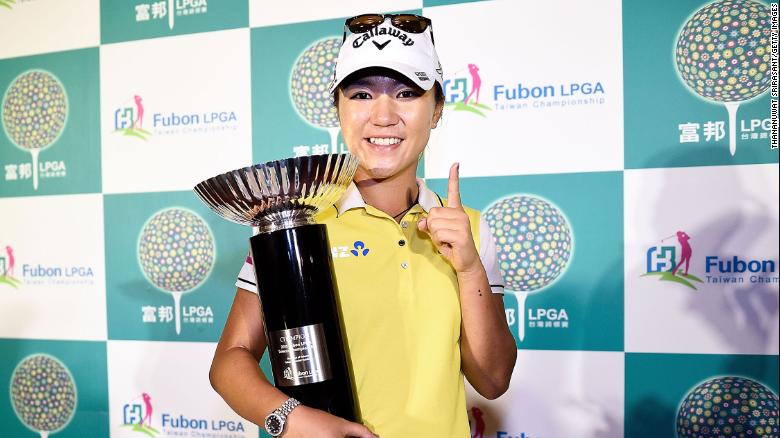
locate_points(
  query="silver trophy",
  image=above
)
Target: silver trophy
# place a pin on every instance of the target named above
(294, 270)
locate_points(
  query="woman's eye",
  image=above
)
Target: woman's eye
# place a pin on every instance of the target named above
(361, 95)
(408, 93)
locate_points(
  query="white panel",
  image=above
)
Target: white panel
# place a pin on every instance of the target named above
(196, 116)
(51, 251)
(555, 394)
(171, 378)
(566, 51)
(727, 211)
(38, 26)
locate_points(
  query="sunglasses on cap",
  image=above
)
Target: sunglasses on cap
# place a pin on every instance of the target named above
(410, 23)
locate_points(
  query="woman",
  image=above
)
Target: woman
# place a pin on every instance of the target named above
(414, 291)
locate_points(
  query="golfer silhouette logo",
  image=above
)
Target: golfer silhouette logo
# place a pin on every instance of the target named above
(7, 263)
(662, 261)
(148, 409)
(138, 123)
(686, 251)
(460, 95)
(479, 423)
(360, 248)
(476, 83)
(9, 271)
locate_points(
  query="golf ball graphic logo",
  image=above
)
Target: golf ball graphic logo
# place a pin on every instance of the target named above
(309, 85)
(43, 394)
(723, 53)
(35, 110)
(731, 407)
(176, 252)
(534, 243)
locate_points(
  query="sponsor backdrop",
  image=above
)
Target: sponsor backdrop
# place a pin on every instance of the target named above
(620, 152)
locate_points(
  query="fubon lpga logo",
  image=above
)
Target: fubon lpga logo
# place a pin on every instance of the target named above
(722, 55)
(534, 242)
(671, 263)
(168, 10)
(663, 261)
(461, 93)
(43, 394)
(16, 274)
(176, 254)
(467, 91)
(137, 415)
(129, 120)
(140, 416)
(34, 115)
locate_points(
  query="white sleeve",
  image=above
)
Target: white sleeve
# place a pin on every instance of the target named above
(489, 257)
(246, 278)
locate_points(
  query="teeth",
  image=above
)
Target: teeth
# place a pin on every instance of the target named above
(384, 141)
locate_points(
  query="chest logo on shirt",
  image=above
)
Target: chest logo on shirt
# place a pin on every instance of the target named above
(358, 249)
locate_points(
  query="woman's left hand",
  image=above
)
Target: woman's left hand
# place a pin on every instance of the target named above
(450, 229)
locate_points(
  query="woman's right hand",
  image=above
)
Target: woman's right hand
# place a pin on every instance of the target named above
(306, 422)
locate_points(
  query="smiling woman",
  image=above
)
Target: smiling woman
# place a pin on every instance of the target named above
(420, 295)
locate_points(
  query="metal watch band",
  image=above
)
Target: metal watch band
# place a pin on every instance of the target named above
(287, 407)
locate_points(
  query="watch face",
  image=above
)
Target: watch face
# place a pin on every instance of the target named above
(274, 424)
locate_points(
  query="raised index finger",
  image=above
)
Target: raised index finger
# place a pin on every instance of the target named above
(453, 187)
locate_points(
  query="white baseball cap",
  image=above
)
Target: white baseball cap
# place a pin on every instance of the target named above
(411, 54)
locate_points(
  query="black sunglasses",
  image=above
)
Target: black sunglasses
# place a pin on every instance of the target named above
(410, 23)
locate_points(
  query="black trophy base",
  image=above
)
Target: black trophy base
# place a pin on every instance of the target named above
(298, 294)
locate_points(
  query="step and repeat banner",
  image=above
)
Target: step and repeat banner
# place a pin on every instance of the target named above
(621, 152)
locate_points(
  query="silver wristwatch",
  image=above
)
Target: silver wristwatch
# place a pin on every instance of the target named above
(274, 422)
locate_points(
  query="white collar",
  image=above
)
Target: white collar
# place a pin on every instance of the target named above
(353, 199)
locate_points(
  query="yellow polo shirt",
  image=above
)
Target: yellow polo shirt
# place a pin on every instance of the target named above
(399, 302)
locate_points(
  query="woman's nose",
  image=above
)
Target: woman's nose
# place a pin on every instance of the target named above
(384, 111)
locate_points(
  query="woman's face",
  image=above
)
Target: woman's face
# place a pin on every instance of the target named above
(386, 122)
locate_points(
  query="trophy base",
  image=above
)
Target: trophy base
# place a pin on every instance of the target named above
(297, 288)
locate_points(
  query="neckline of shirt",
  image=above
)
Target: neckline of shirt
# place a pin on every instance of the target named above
(352, 198)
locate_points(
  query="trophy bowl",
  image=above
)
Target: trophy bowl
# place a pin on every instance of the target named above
(279, 194)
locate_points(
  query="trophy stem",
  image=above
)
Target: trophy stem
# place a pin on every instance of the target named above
(306, 345)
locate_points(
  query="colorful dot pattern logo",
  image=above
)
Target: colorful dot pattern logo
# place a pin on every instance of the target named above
(729, 407)
(43, 393)
(35, 109)
(723, 51)
(176, 250)
(533, 240)
(311, 76)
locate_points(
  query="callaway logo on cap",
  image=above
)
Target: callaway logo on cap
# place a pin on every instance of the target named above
(411, 54)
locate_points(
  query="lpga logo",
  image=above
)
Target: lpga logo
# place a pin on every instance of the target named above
(462, 93)
(130, 120)
(42, 274)
(663, 262)
(138, 416)
(169, 9)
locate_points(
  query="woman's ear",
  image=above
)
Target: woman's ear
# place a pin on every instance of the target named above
(437, 113)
